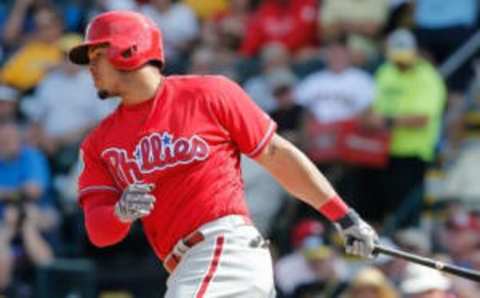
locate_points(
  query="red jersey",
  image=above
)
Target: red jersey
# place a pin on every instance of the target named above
(293, 24)
(187, 141)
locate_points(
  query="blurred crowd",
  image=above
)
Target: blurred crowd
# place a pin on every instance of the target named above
(383, 95)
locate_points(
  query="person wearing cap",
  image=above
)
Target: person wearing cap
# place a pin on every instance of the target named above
(8, 101)
(409, 102)
(311, 263)
(370, 282)
(292, 269)
(328, 270)
(59, 124)
(423, 282)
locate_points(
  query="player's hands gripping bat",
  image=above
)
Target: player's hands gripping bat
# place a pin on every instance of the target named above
(135, 202)
(360, 238)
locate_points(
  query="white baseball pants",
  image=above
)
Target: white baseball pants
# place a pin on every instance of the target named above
(233, 261)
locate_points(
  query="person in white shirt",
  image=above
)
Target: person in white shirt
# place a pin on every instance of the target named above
(338, 93)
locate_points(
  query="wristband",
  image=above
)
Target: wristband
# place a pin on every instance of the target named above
(334, 209)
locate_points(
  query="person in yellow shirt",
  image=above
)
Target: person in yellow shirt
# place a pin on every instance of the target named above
(409, 102)
(40, 52)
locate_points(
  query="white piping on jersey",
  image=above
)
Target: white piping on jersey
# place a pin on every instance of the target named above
(259, 146)
(97, 188)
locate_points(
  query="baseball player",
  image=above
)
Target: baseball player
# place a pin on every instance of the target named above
(169, 156)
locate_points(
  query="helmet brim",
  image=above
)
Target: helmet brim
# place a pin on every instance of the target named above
(79, 54)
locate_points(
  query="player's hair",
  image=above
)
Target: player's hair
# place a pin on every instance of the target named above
(157, 64)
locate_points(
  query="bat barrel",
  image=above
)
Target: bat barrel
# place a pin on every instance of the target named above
(452, 269)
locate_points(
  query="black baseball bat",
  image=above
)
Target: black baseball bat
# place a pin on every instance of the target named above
(452, 269)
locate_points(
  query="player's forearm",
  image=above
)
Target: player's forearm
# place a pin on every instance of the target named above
(103, 227)
(296, 173)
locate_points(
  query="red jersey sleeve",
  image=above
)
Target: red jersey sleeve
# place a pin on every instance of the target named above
(249, 127)
(94, 176)
(103, 227)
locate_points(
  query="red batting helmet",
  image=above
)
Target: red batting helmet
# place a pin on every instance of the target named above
(133, 40)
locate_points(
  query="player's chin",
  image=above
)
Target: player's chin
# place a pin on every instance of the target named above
(105, 93)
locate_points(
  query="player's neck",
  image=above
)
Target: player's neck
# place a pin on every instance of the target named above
(141, 86)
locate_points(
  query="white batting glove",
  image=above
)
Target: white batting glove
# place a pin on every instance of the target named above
(360, 238)
(135, 202)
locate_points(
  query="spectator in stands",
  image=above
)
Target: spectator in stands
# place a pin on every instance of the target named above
(371, 283)
(423, 282)
(459, 235)
(290, 22)
(409, 102)
(311, 266)
(361, 21)
(63, 109)
(26, 211)
(8, 102)
(39, 52)
(179, 27)
(274, 58)
(327, 271)
(340, 92)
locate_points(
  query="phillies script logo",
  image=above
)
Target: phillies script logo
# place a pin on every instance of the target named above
(154, 152)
